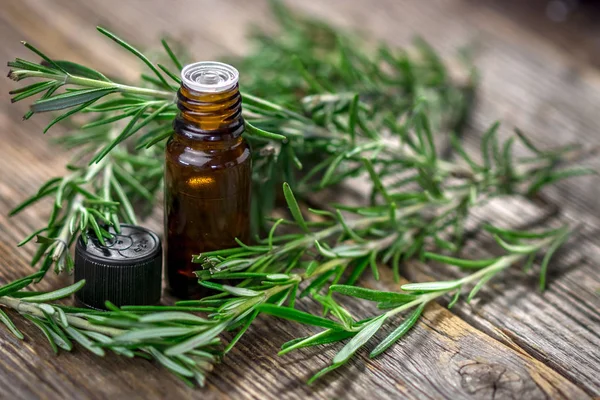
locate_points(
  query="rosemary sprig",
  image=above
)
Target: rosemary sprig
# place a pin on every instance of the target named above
(416, 296)
(267, 291)
(92, 198)
(126, 333)
(428, 208)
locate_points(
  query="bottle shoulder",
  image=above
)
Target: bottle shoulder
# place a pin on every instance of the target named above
(204, 155)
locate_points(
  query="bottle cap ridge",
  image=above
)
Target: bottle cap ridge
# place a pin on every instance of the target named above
(126, 270)
(209, 76)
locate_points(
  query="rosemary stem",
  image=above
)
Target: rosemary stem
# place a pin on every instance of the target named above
(266, 295)
(95, 169)
(426, 298)
(78, 322)
(65, 232)
(502, 264)
(93, 83)
(274, 106)
(120, 87)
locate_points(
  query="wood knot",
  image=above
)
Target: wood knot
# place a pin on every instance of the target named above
(490, 381)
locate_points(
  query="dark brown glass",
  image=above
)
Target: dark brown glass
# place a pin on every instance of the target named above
(207, 184)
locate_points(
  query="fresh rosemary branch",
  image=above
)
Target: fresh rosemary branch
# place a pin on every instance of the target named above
(109, 177)
(267, 292)
(418, 295)
(126, 333)
(90, 198)
(383, 233)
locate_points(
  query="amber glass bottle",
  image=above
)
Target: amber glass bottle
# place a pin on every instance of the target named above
(207, 173)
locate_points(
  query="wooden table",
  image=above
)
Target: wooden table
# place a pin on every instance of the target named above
(513, 342)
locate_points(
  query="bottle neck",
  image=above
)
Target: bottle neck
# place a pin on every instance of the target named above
(209, 116)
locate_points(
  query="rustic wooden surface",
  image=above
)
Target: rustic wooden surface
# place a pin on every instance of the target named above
(512, 342)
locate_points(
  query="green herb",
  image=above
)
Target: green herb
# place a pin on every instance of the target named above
(125, 333)
(415, 295)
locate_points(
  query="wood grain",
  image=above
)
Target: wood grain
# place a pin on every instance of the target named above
(556, 326)
(512, 343)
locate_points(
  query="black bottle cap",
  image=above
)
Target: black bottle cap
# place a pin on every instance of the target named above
(127, 271)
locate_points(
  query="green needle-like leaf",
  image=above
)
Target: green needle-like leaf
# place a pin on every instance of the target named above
(430, 286)
(298, 316)
(44, 57)
(560, 239)
(31, 90)
(353, 117)
(489, 137)
(154, 333)
(479, 285)
(324, 337)
(57, 294)
(399, 332)
(372, 295)
(558, 176)
(514, 234)
(528, 143)
(19, 284)
(376, 180)
(293, 206)
(238, 291)
(135, 51)
(466, 264)
(10, 325)
(323, 372)
(69, 113)
(196, 341)
(361, 338)
(172, 55)
(171, 75)
(80, 70)
(172, 316)
(70, 99)
(170, 364)
(253, 130)
(454, 298)
(515, 248)
(241, 332)
(42, 327)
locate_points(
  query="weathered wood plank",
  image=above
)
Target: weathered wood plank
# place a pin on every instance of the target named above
(557, 326)
(442, 358)
(571, 26)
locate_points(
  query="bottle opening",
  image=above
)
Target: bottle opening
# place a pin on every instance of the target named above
(209, 76)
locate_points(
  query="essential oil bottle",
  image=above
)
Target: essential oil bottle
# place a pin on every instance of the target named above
(207, 173)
